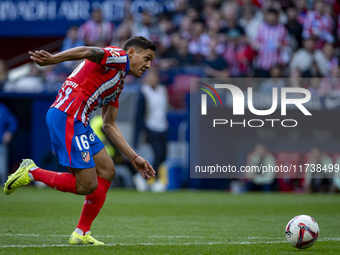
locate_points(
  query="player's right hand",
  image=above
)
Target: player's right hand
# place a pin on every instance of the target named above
(42, 58)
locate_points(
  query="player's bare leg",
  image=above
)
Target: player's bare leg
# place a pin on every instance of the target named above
(104, 165)
(86, 180)
(93, 202)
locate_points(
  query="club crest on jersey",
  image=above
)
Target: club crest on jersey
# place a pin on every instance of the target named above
(114, 53)
(85, 156)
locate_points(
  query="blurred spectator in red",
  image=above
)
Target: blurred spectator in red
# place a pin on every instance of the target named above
(3, 74)
(319, 25)
(257, 3)
(294, 28)
(96, 31)
(275, 81)
(272, 43)
(304, 59)
(238, 54)
(215, 65)
(331, 86)
(318, 181)
(326, 60)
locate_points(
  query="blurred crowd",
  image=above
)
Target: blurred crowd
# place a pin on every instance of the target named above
(312, 171)
(223, 38)
(279, 41)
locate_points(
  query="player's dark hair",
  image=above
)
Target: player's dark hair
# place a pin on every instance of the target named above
(140, 42)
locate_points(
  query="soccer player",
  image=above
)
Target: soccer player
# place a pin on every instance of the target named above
(96, 82)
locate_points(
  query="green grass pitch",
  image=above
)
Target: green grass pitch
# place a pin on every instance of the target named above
(39, 221)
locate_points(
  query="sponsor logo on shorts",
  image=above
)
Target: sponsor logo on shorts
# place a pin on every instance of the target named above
(85, 156)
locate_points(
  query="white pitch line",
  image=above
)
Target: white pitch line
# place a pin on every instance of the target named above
(160, 244)
(130, 236)
(108, 236)
(153, 236)
(132, 244)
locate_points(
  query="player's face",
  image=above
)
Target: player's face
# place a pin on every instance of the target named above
(140, 60)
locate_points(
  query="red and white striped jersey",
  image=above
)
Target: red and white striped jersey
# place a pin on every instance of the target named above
(238, 58)
(319, 25)
(272, 44)
(92, 85)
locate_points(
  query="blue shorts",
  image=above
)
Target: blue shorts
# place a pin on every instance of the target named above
(74, 143)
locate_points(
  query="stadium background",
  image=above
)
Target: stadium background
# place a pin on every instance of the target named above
(184, 32)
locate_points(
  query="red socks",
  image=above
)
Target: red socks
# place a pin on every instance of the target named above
(92, 205)
(65, 182)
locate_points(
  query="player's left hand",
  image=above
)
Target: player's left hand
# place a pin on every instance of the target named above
(42, 58)
(143, 167)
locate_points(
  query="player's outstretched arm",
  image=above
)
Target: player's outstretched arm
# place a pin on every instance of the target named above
(112, 131)
(44, 58)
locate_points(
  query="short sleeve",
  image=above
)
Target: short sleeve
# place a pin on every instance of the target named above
(114, 57)
(115, 103)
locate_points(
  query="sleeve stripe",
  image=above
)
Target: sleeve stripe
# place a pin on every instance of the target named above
(120, 60)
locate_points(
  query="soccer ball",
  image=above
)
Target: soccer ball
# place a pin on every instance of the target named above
(302, 231)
